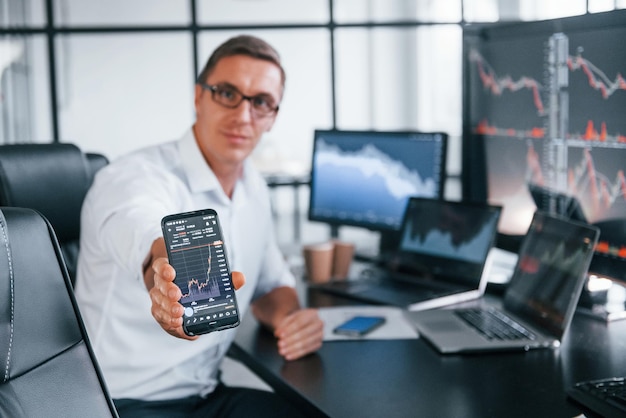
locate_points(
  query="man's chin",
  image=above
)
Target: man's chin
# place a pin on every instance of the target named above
(237, 156)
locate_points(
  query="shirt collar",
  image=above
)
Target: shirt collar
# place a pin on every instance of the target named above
(199, 175)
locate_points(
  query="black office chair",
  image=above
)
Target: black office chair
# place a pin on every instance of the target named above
(95, 162)
(48, 367)
(53, 179)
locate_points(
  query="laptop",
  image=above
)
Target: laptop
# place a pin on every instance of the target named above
(538, 303)
(440, 258)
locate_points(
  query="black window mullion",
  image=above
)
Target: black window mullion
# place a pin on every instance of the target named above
(333, 91)
(194, 37)
(50, 34)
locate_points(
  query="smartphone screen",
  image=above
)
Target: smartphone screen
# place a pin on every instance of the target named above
(359, 325)
(195, 248)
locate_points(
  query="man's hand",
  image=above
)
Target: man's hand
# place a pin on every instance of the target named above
(165, 295)
(300, 333)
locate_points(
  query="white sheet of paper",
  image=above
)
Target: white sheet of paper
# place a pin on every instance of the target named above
(396, 326)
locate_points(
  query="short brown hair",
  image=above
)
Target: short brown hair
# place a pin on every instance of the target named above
(248, 45)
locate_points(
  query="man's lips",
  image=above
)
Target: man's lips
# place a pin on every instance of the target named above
(236, 137)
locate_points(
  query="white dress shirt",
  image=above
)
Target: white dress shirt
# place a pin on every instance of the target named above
(121, 217)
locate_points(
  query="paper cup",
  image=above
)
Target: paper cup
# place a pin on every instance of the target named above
(342, 259)
(318, 261)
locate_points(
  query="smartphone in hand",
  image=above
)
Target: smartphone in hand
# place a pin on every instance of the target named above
(359, 325)
(196, 250)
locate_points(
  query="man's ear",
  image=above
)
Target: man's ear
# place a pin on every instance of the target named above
(197, 95)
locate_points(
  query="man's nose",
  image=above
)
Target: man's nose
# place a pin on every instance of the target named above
(244, 110)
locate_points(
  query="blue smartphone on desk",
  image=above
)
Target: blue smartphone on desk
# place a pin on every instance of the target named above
(359, 325)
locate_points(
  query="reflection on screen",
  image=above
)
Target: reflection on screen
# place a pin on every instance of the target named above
(553, 259)
(444, 238)
(448, 230)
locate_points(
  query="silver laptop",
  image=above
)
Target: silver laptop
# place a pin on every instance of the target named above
(439, 261)
(539, 301)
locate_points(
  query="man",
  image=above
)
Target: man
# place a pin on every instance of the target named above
(125, 286)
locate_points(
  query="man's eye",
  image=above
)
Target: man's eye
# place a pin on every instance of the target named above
(263, 101)
(227, 93)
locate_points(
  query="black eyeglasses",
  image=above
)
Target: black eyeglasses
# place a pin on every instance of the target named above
(228, 96)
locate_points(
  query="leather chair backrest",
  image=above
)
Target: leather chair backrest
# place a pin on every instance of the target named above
(53, 179)
(47, 366)
(95, 162)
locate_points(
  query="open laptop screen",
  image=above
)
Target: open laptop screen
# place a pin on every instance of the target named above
(446, 238)
(554, 254)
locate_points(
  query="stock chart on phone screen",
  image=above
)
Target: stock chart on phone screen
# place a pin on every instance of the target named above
(198, 255)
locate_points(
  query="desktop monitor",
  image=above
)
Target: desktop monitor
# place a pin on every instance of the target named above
(364, 178)
(543, 118)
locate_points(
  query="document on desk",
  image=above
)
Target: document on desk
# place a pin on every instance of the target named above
(396, 327)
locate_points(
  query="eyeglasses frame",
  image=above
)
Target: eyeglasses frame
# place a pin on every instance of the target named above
(213, 88)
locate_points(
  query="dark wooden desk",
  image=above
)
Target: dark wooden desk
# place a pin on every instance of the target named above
(407, 378)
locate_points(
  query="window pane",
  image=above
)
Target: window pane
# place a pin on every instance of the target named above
(394, 79)
(245, 12)
(376, 78)
(306, 104)
(120, 92)
(541, 9)
(20, 13)
(121, 12)
(24, 87)
(487, 11)
(601, 5)
(39, 74)
(399, 78)
(350, 11)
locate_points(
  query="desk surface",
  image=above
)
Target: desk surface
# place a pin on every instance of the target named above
(408, 378)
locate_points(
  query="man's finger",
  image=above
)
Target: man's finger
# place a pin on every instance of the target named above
(238, 279)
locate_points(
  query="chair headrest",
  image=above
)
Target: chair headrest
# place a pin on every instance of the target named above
(51, 178)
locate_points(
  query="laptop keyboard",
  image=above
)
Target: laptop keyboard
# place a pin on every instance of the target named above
(494, 325)
(606, 396)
